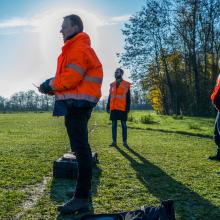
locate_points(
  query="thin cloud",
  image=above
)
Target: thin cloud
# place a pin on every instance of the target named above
(34, 22)
(19, 22)
(15, 22)
(119, 19)
(115, 20)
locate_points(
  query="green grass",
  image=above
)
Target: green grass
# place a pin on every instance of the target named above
(28, 145)
(194, 126)
(166, 159)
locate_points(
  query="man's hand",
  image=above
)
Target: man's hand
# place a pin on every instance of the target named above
(46, 88)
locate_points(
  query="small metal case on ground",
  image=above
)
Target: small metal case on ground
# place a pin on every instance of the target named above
(66, 166)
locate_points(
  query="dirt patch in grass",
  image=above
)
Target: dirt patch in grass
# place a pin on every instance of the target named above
(35, 193)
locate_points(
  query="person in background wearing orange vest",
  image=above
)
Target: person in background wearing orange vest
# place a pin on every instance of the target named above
(77, 89)
(216, 101)
(119, 105)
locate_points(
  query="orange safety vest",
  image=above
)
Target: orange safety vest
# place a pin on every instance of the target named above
(215, 97)
(118, 95)
(79, 72)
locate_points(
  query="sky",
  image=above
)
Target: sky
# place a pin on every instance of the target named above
(30, 39)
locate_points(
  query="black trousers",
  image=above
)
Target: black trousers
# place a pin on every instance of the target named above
(216, 132)
(76, 122)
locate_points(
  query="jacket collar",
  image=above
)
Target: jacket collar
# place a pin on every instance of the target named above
(81, 37)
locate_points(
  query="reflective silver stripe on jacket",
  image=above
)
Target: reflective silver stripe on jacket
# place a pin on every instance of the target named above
(76, 68)
(93, 79)
(118, 96)
(125, 85)
(77, 97)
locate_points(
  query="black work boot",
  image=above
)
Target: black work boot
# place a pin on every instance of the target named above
(169, 209)
(125, 144)
(113, 144)
(74, 205)
(71, 194)
(215, 157)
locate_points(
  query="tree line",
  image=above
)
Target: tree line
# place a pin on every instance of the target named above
(26, 101)
(172, 50)
(31, 101)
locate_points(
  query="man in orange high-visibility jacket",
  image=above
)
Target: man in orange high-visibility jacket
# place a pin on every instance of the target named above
(215, 97)
(77, 89)
(119, 105)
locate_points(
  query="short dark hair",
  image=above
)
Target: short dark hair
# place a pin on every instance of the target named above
(75, 20)
(121, 70)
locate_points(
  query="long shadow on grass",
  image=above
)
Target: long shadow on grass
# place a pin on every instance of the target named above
(61, 187)
(188, 204)
(174, 132)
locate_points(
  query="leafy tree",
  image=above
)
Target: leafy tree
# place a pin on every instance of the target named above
(172, 49)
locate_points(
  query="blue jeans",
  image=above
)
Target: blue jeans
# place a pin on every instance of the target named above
(114, 131)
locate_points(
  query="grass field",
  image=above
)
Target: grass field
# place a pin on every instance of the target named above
(167, 158)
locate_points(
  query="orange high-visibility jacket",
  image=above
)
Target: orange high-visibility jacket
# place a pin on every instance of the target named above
(215, 92)
(79, 72)
(215, 97)
(118, 95)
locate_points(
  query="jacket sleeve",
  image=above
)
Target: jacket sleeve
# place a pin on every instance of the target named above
(73, 72)
(128, 101)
